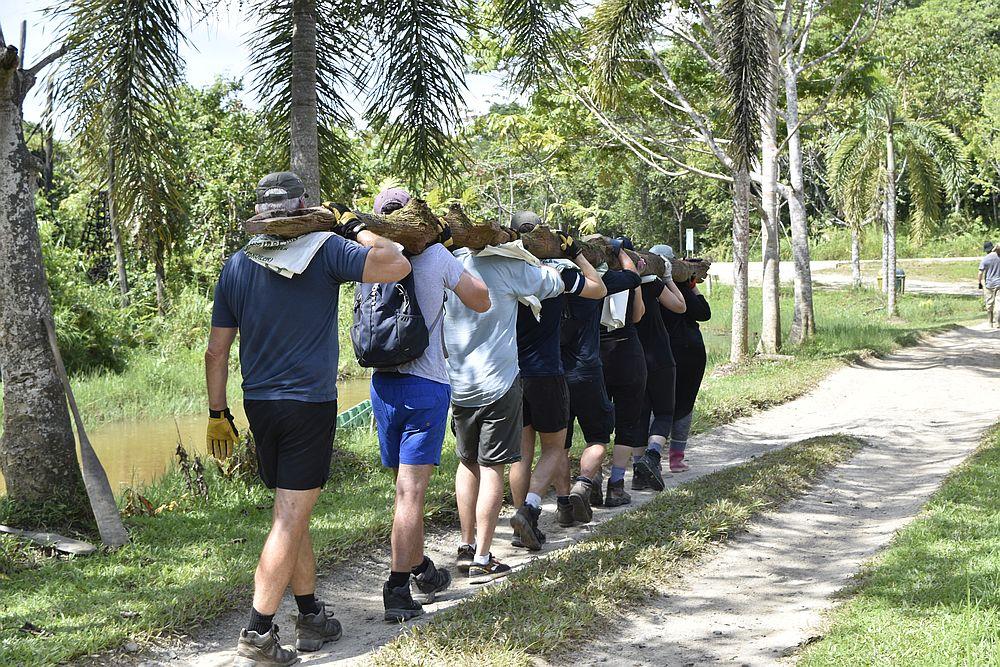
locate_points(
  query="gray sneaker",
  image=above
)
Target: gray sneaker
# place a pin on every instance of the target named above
(430, 582)
(255, 649)
(314, 630)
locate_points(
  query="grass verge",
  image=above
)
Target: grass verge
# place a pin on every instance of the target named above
(576, 592)
(189, 562)
(933, 596)
(962, 272)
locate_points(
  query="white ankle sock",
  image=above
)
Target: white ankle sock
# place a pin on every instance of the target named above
(534, 500)
(481, 560)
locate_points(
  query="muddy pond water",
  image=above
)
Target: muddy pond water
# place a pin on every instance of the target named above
(139, 451)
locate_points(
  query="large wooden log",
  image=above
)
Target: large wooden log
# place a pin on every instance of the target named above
(415, 226)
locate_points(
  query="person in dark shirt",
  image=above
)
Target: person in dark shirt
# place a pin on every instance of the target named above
(624, 368)
(658, 399)
(545, 398)
(288, 359)
(689, 351)
(589, 403)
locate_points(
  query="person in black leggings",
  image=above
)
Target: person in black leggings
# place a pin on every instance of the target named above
(689, 351)
(657, 416)
(625, 380)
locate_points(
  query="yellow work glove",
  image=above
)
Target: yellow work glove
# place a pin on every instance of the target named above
(222, 434)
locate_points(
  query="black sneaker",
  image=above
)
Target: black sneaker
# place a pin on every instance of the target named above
(647, 470)
(494, 569)
(430, 582)
(616, 495)
(579, 499)
(564, 515)
(399, 604)
(596, 496)
(466, 553)
(525, 525)
(314, 630)
(638, 481)
(266, 649)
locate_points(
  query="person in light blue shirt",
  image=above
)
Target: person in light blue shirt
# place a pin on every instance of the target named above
(486, 397)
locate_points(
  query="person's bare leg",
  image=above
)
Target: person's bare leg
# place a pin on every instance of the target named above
(520, 472)
(280, 555)
(550, 464)
(621, 456)
(408, 521)
(488, 506)
(592, 459)
(467, 498)
(304, 575)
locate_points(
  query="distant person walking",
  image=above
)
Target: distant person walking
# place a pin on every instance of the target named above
(410, 403)
(288, 359)
(989, 282)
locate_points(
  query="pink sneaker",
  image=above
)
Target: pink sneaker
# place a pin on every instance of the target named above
(677, 462)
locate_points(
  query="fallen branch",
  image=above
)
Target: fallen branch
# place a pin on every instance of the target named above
(415, 227)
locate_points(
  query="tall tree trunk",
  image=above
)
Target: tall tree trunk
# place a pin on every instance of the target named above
(804, 318)
(770, 330)
(304, 123)
(37, 448)
(116, 237)
(856, 256)
(890, 221)
(739, 344)
(161, 280)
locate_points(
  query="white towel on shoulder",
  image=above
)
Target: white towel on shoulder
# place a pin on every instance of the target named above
(287, 257)
(614, 310)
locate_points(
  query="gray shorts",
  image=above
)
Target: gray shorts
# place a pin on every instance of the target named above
(489, 435)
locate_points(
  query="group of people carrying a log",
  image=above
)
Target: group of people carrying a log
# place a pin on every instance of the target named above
(517, 349)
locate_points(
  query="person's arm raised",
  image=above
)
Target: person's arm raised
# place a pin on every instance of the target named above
(638, 305)
(595, 287)
(385, 262)
(473, 292)
(671, 298)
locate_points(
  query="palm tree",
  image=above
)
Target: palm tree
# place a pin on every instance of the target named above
(623, 31)
(886, 144)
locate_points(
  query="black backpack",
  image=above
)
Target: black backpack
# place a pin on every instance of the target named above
(388, 329)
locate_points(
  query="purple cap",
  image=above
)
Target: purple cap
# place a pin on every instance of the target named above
(389, 196)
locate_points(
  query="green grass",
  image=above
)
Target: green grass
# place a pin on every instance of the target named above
(576, 592)
(932, 597)
(188, 563)
(959, 271)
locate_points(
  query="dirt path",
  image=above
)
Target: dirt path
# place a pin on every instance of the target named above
(923, 409)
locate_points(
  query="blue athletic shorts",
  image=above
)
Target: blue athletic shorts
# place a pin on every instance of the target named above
(411, 414)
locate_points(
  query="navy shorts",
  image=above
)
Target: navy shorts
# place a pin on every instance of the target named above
(411, 414)
(294, 441)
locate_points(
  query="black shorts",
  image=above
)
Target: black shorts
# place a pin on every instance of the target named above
(658, 402)
(546, 403)
(627, 400)
(489, 435)
(294, 442)
(589, 404)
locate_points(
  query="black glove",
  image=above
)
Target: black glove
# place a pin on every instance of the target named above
(570, 247)
(444, 234)
(980, 286)
(348, 224)
(620, 243)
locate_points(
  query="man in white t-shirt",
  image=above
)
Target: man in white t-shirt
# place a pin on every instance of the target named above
(410, 403)
(989, 282)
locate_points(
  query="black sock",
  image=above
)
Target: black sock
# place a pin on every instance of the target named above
(398, 579)
(307, 604)
(260, 623)
(420, 569)
(562, 500)
(586, 480)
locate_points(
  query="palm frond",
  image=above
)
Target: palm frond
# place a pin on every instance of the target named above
(923, 182)
(617, 32)
(532, 31)
(118, 85)
(340, 52)
(419, 83)
(944, 147)
(855, 171)
(746, 27)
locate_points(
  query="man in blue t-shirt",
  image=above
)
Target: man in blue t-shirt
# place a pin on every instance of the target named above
(288, 359)
(545, 396)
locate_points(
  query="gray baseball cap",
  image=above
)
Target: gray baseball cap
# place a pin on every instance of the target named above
(663, 250)
(524, 218)
(279, 186)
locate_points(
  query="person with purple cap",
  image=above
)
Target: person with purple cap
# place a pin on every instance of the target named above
(288, 356)
(410, 403)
